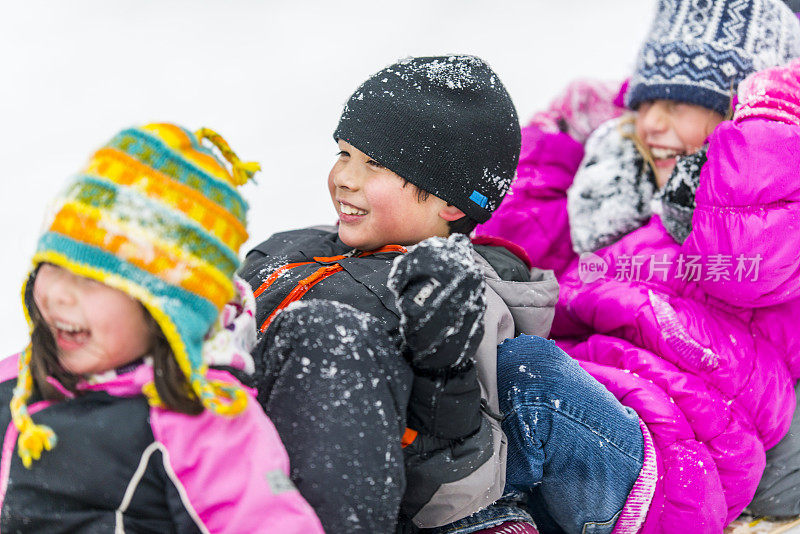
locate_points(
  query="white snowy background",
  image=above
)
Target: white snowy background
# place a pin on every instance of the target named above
(270, 76)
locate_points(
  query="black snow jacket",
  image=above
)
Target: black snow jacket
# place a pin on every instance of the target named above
(314, 262)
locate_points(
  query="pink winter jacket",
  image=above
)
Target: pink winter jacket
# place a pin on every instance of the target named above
(121, 465)
(709, 364)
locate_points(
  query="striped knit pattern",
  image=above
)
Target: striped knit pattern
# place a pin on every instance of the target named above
(698, 51)
(156, 215)
(510, 527)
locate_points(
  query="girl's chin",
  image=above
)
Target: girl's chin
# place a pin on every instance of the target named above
(74, 368)
(663, 174)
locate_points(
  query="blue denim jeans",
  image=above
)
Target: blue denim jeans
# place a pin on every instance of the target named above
(574, 452)
(572, 447)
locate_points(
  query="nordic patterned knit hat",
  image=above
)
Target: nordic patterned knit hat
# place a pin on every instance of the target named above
(446, 124)
(156, 215)
(698, 51)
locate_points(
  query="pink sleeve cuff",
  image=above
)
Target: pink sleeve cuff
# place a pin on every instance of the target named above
(638, 504)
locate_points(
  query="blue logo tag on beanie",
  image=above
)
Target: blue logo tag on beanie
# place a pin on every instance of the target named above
(479, 199)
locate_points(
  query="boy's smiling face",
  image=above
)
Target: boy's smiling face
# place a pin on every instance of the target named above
(376, 207)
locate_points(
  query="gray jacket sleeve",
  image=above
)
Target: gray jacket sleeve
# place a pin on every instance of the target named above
(449, 481)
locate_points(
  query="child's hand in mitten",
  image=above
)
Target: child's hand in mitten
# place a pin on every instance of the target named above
(772, 93)
(439, 291)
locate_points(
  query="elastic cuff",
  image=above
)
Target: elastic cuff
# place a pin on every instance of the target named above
(637, 505)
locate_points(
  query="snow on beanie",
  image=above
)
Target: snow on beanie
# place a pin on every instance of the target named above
(446, 124)
(698, 51)
(794, 5)
(154, 214)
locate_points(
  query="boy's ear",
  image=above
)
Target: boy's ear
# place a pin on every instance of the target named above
(450, 213)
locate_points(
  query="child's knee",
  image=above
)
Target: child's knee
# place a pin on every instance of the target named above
(534, 362)
(333, 344)
(532, 371)
(333, 328)
(525, 346)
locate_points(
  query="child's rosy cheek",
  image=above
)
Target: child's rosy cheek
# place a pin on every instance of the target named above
(38, 294)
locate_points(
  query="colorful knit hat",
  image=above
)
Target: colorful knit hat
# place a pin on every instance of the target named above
(156, 215)
(698, 51)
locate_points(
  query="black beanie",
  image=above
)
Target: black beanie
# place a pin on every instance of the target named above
(446, 124)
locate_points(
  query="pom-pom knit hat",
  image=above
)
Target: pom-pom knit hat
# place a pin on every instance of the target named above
(156, 215)
(446, 124)
(698, 51)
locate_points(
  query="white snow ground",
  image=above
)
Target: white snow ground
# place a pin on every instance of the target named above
(270, 76)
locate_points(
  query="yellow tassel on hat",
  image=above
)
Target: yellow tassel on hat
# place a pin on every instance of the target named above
(33, 438)
(242, 171)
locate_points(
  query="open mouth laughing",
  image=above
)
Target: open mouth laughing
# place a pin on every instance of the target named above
(69, 335)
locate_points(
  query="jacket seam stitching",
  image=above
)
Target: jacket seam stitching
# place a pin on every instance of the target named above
(133, 484)
(181, 490)
(749, 208)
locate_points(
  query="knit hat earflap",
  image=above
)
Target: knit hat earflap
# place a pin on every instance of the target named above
(446, 124)
(697, 51)
(157, 215)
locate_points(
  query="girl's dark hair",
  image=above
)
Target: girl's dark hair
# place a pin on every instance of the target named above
(44, 357)
(171, 384)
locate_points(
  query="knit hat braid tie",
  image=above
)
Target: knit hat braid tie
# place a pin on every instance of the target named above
(220, 397)
(33, 438)
(242, 171)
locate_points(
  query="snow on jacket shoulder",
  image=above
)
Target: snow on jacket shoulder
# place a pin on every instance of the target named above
(437, 493)
(534, 212)
(121, 465)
